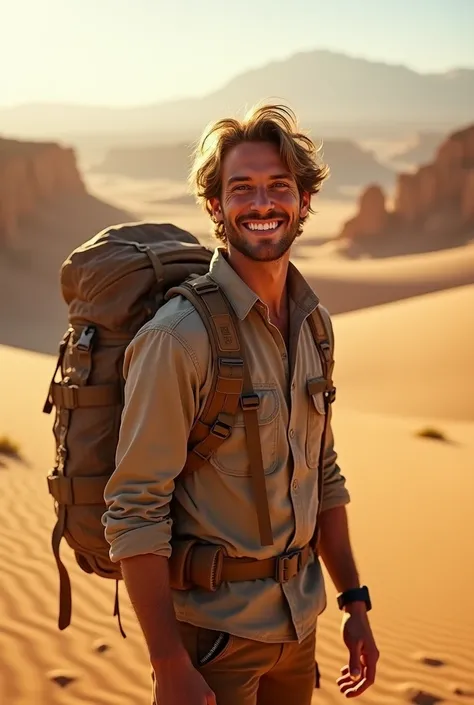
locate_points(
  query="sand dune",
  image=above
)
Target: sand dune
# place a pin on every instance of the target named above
(412, 507)
(348, 286)
(420, 355)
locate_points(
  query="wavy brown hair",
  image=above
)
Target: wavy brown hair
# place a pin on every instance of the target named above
(265, 123)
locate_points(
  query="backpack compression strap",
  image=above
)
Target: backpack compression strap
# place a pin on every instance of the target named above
(70, 491)
(231, 386)
(322, 339)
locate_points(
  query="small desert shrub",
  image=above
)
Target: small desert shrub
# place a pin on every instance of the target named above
(9, 448)
(433, 433)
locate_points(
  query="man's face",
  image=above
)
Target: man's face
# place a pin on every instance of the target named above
(260, 205)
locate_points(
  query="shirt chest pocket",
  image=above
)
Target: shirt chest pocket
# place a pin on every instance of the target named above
(232, 458)
(316, 416)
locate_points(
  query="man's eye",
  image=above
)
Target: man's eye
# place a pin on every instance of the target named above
(280, 184)
(241, 187)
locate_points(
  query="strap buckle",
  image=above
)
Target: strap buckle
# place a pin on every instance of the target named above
(69, 396)
(233, 363)
(249, 401)
(287, 566)
(204, 287)
(221, 429)
(330, 395)
(60, 488)
(85, 339)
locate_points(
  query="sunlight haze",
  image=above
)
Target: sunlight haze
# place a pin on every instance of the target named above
(130, 52)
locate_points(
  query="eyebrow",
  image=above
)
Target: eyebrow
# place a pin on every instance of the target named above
(274, 177)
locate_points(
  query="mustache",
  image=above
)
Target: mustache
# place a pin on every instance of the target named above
(273, 215)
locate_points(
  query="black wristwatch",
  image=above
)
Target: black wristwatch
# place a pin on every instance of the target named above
(360, 594)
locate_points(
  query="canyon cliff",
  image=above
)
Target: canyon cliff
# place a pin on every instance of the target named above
(45, 212)
(32, 173)
(435, 201)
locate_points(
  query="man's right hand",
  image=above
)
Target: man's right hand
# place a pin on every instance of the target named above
(181, 684)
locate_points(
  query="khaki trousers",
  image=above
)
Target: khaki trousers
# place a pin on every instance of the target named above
(245, 672)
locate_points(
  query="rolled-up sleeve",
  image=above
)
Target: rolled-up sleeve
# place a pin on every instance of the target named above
(160, 405)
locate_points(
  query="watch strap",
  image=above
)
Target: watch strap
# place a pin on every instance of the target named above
(359, 594)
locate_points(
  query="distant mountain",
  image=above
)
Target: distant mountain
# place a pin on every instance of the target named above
(351, 166)
(423, 150)
(325, 88)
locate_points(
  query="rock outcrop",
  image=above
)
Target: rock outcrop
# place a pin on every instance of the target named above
(438, 198)
(30, 174)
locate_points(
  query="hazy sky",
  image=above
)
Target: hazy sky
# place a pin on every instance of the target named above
(124, 52)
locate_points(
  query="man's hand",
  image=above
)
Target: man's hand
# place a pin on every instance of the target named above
(180, 683)
(359, 673)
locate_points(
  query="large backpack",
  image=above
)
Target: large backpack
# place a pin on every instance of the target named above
(113, 284)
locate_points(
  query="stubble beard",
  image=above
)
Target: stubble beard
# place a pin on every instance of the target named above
(264, 250)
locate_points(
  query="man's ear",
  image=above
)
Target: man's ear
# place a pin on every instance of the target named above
(216, 210)
(305, 204)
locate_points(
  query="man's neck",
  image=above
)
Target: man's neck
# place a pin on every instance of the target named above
(266, 279)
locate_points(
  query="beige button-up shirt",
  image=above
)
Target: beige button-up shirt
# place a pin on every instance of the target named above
(167, 369)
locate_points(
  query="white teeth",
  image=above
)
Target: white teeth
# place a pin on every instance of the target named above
(263, 226)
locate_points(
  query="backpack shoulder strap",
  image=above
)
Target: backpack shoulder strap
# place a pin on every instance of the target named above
(216, 421)
(231, 387)
(321, 328)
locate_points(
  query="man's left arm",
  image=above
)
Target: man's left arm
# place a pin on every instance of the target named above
(334, 544)
(333, 539)
(335, 549)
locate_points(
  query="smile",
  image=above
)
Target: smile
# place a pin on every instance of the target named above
(267, 225)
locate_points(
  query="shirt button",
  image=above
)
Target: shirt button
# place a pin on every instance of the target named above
(293, 385)
(296, 485)
(292, 433)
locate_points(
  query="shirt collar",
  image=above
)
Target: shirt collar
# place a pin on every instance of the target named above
(243, 299)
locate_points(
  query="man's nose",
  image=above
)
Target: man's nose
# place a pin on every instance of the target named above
(262, 201)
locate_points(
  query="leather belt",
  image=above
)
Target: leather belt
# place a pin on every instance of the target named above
(206, 566)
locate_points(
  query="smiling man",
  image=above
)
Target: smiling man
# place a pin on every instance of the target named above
(239, 629)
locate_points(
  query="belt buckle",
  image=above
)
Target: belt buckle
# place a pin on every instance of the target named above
(288, 566)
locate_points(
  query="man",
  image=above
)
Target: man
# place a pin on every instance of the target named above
(248, 642)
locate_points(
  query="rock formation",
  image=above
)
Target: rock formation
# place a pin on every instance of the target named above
(372, 216)
(32, 173)
(438, 198)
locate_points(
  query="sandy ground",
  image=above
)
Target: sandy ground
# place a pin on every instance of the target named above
(400, 368)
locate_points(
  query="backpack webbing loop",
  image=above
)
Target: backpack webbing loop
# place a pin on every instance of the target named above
(49, 403)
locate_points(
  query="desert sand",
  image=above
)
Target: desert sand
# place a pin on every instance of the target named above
(401, 367)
